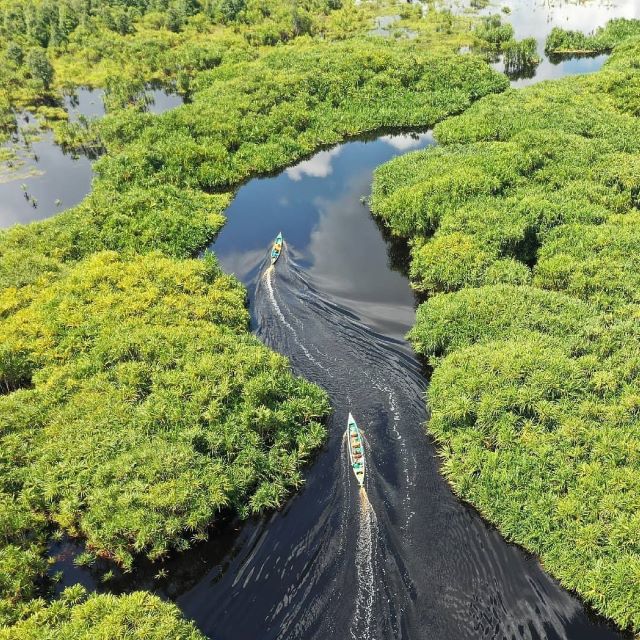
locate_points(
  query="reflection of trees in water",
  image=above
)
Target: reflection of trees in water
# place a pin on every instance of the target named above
(520, 58)
(397, 249)
(558, 58)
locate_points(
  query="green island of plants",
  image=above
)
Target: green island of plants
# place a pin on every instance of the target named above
(76, 616)
(136, 408)
(525, 236)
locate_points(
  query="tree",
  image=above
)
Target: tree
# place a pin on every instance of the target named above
(39, 67)
(231, 8)
(174, 19)
(123, 23)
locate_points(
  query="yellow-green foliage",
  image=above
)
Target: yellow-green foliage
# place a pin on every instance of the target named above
(52, 45)
(137, 616)
(259, 116)
(604, 39)
(535, 397)
(156, 408)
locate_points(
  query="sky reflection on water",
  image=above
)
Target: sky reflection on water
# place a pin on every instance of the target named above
(318, 206)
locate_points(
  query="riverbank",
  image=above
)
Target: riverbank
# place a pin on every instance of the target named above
(523, 231)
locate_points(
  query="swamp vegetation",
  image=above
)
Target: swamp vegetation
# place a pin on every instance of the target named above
(136, 408)
(525, 236)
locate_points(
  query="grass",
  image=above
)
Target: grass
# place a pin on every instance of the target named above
(563, 41)
(524, 232)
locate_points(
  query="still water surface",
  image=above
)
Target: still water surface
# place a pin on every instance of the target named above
(536, 19)
(49, 179)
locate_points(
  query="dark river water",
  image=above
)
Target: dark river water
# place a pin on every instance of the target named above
(405, 558)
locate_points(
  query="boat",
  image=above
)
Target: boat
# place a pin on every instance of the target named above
(356, 449)
(277, 248)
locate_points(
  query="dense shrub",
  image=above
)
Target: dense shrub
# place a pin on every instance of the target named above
(446, 323)
(259, 116)
(520, 56)
(535, 396)
(156, 409)
(76, 616)
(604, 39)
(492, 30)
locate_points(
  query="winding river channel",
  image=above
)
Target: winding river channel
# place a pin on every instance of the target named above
(405, 558)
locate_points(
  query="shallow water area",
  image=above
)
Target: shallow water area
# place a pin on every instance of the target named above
(45, 179)
(89, 103)
(385, 28)
(536, 19)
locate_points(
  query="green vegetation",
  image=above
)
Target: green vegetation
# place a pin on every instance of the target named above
(137, 616)
(136, 407)
(262, 115)
(563, 41)
(492, 30)
(494, 37)
(525, 237)
(49, 47)
(519, 56)
(156, 409)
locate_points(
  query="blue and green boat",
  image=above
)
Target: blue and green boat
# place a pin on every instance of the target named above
(277, 248)
(356, 449)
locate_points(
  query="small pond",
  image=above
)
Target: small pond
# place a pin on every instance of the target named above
(45, 179)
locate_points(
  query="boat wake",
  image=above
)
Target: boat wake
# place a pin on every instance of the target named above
(363, 617)
(267, 278)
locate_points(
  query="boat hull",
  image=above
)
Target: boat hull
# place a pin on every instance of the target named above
(355, 445)
(276, 250)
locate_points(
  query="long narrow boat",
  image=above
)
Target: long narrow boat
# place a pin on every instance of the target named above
(277, 248)
(356, 450)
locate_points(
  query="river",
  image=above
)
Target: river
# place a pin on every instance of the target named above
(405, 558)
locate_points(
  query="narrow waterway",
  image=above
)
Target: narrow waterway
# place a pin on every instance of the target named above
(405, 558)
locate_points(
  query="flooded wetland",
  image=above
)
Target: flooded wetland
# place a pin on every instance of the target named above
(405, 557)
